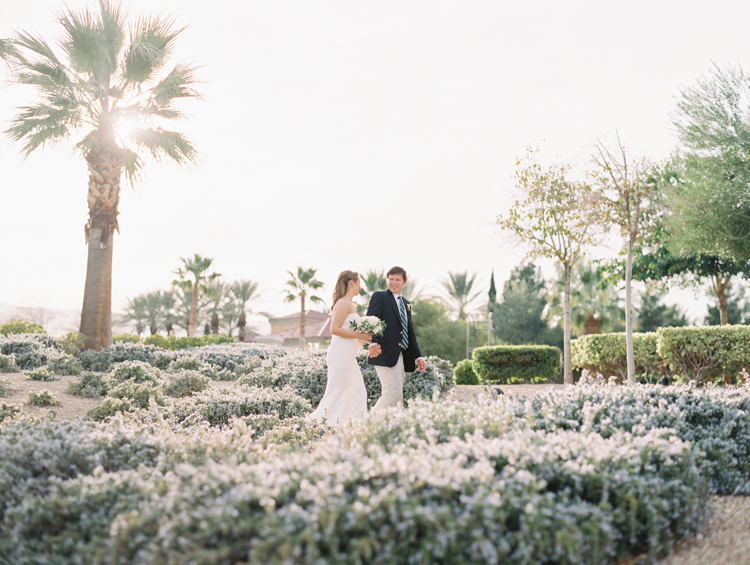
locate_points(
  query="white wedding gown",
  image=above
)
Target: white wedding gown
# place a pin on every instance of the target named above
(345, 396)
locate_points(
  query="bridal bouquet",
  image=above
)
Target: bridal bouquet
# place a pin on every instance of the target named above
(369, 325)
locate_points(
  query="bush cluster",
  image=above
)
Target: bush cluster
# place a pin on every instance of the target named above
(8, 363)
(20, 327)
(173, 343)
(437, 482)
(44, 398)
(43, 374)
(465, 374)
(89, 385)
(701, 354)
(4, 387)
(516, 364)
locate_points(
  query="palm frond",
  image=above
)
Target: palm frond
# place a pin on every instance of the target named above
(93, 42)
(163, 143)
(133, 165)
(40, 124)
(151, 41)
(175, 85)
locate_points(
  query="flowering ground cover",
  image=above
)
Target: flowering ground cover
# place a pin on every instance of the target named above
(588, 474)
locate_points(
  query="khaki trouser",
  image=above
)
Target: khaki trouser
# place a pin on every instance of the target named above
(392, 384)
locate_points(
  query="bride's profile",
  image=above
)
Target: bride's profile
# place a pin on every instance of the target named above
(345, 396)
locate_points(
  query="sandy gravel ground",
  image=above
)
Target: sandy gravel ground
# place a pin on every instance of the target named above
(726, 540)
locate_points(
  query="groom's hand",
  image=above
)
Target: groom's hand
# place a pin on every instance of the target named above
(374, 350)
(421, 364)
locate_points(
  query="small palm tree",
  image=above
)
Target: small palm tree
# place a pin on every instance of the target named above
(245, 293)
(154, 311)
(458, 287)
(216, 292)
(302, 284)
(107, 83)
(195, 267)
(136, 313)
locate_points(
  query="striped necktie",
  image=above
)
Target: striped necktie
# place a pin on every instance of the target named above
(404, 324)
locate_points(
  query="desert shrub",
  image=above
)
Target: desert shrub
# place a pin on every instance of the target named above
(117, 353)
(136, 371)
(184, 383)
(89, 385)
(109, 408)
(218, 406)
(516, 364)
(189, 362)
(44, 398)
(465, 374)
(4, 387)
(606, 354)
(704, 354)
(30, 350)
(8, 411)
(138, 393)
(71, 343)
(126, 338)
(43, 374)
(63, 364)
(527, 497)
(306, 372)
(8, 363)
(19, 327)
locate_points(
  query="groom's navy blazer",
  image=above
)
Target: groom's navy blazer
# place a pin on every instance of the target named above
(383, 305)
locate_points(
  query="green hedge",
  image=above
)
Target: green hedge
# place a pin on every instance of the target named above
(19, 327)
(465, 374)
(516, 364)
(700, 354)
(607, 354)
(707, 353)
(173, 343)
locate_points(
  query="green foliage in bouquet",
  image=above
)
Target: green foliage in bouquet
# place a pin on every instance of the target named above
(516, 364)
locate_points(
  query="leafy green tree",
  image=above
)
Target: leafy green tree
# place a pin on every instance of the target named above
(302, 284)
(458, 289)
(196, 268)
(737, 305)
(633, 200)
(554, 218)
(519, 317)
(107, 83)
(595, 305)
(653, 314)
(712, 208)
(436, 332)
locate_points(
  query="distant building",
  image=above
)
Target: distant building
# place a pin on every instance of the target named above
(285, 331)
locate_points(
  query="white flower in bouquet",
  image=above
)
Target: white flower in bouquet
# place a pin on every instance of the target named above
(369, 325)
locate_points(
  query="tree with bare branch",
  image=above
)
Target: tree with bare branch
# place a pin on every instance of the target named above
(555, 218)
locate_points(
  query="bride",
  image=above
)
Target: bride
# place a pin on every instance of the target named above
(345, 396)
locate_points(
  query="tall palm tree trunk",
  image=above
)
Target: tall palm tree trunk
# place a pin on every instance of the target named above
(302, 322)
(105, 170)
(193, 320)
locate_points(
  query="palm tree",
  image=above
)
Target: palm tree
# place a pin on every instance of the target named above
(136, 313)
(154, 311)
(105, 82)
(458, 288)
(595, 305)
(216, 291)
(245, 293)
(169, 302)
(197, 267)
(301, 285)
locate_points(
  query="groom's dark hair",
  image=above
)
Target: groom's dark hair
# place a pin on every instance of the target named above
(397, 271)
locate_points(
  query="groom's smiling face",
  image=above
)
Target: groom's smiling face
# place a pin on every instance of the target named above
(396, 283)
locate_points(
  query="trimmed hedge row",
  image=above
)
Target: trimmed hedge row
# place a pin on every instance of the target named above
(516, 364)
(700, 354)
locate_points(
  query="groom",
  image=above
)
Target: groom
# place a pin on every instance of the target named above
(395, 352)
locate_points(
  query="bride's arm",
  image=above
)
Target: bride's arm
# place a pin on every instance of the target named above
(340, 312)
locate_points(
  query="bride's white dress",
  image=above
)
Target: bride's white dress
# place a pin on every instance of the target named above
(345, 396)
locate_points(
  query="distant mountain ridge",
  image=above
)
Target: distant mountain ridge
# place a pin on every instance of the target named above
(56, 322)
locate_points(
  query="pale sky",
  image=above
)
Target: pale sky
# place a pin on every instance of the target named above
(357, 135)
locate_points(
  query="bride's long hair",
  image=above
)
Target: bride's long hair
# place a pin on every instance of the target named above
(342, 283)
